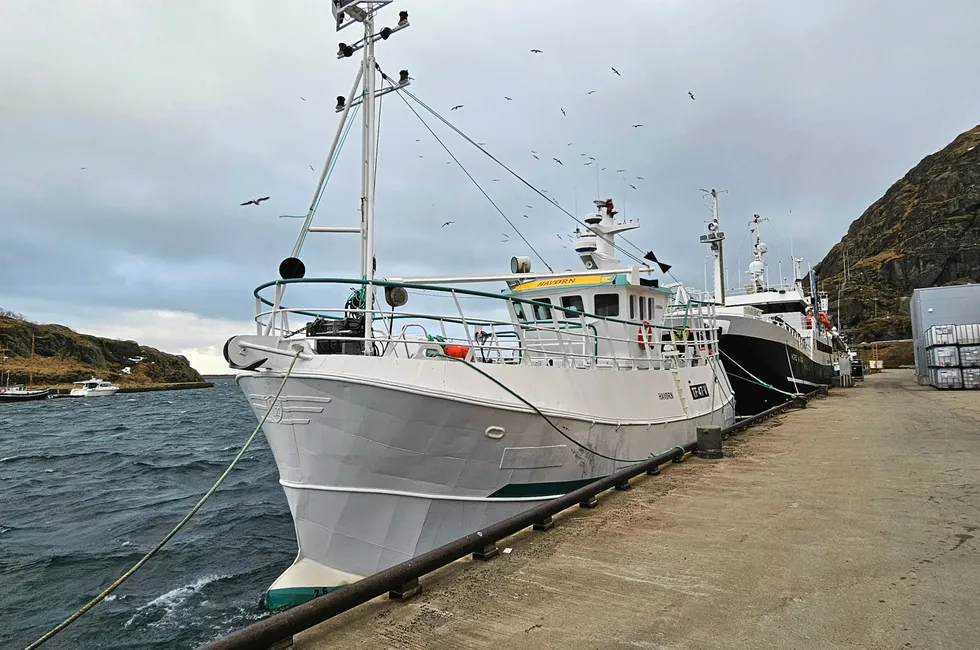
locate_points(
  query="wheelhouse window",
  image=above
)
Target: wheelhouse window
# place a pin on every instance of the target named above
(541, 312)
(607, 304)
(519, 312)
(572, 303)
(643, 307)
(632, 313)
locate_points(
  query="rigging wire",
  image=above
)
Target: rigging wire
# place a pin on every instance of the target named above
(465, 171)
(520, 178)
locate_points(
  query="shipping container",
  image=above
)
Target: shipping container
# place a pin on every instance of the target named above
(971, 378)
(944, 356)
(941, 335)
(956, 305)
(969, 356)
(946, 377)
(968, 334)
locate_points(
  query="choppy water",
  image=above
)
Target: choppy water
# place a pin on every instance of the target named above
(87, 486)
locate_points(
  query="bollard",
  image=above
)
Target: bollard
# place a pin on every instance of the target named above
(590, 502)
(487, 552)
(406, 590)
(709, 442)
(545, 524)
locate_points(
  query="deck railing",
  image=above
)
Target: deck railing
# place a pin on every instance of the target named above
(554, 337)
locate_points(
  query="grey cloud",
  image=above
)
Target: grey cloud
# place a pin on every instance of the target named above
(180, 111)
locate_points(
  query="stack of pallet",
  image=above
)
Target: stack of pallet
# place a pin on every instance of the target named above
(953, 356)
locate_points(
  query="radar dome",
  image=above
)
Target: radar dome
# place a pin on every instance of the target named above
(755, 266)
(762, 247)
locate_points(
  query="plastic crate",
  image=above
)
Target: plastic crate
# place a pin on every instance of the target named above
(968, 334)
(946, 377)
(941, 335)
(971, 378)
(944, 356)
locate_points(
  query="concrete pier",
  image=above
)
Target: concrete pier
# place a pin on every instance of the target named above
(854, 523)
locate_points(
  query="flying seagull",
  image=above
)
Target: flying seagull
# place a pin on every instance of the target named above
(558, 161)
(311, 168)
(508, 98)
(616, 71)
(303, 98)
(417, 140)
(620, 170)
(636, 126)
(533, 151)
(563, 112)
(590, 92)
(255, 201)
(588, 163)
(633, 186)
(527, 206)
(536, 52)
(569, 144)
(456, 106)
(446, 224)
(591, 158)
(535, 156)
(496, 180)
(80, 168)
(639, 178)
(690, 94)
(525, 216)
(559, 237)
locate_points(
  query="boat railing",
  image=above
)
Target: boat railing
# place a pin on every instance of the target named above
(542, 334)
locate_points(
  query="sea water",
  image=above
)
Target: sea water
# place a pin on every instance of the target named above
(89, 485)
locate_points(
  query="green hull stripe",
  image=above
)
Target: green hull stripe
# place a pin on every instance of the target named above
(292, 596)
(552, 488)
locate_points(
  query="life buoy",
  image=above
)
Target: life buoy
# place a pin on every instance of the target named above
(645, 335)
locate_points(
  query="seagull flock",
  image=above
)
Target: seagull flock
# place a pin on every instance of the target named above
(590, 160)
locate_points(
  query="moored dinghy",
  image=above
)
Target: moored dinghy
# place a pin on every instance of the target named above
(400, 429)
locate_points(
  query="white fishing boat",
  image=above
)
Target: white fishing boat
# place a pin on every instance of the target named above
(400, 429)
(772, 345)
(93, 388)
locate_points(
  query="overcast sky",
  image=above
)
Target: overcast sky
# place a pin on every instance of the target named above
(179, 110)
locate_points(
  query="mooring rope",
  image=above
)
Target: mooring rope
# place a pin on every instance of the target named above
(555, 426)
(95, 601)
(759, 381)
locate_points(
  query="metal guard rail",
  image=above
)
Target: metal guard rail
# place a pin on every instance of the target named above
(271, 631)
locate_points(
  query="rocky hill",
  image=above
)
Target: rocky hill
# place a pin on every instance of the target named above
(924, 232)
(62, 356)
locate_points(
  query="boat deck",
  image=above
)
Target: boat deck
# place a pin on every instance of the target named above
(853, 523)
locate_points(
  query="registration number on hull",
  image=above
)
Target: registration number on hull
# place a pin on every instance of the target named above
(699, 391)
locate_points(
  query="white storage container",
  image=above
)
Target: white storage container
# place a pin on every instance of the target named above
(945, 356)
(941, 335)
(946, 377)
(968, 334)
(969, 356)
(971, 378)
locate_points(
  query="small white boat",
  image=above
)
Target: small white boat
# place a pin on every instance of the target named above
(93, 388)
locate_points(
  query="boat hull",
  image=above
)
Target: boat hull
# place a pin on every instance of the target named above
(25, 396)
(99, 392)
(383, 460)
(755, 350)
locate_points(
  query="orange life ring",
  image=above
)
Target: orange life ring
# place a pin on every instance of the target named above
(458, 351)
(645, 335)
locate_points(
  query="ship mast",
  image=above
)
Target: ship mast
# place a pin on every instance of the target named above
(714, 238)
(346, 13)
(757, 267)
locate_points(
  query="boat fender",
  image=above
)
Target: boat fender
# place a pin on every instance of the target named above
(457, 351)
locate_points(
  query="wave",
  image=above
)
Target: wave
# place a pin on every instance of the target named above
(160, 611)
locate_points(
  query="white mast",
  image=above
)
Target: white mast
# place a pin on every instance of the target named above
(346, 13)
(596, 246)
(757, 267)
(715, 237)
